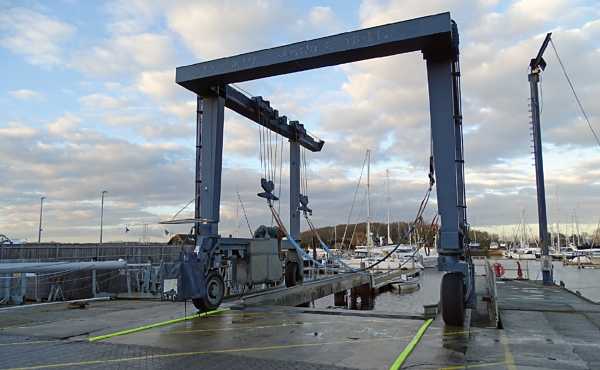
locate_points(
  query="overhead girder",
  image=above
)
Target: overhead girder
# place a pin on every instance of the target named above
(434, 35)
(260, 111)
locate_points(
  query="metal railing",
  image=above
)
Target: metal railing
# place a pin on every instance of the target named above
(491, 279)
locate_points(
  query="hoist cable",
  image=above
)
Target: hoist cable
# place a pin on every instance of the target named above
(301, 173)
(583, 112)
(354, 202)
(541, 95)
(260, 148)
(184, 207)
(275, 156)
(280, 172)
(418, 220)
(356, 224)
(306, 172)
(269, 156)
(245, 214)
(324, 246)
(283, 229)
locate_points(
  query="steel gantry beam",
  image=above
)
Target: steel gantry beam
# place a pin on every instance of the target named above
(260, 111)
(432, 33)
(436, 36)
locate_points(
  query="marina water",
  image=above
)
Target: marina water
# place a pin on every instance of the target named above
(584, 280)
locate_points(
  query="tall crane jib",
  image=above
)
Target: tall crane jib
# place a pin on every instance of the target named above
(536, 66)
(436, 36)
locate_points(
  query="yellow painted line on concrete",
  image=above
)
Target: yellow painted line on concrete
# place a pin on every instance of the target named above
(411, 346)
(29, 342)
(282, 325)
(197, 353)
(251, 327)
(508, 356)
(155, 325)
(473, 366)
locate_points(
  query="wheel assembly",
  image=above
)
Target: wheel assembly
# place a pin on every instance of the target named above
(452, 299)
(213, 294)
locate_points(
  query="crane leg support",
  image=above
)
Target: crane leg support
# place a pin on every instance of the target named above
(457, 284)
(201, 280)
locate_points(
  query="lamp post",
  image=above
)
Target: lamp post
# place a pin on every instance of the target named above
(102, 213)
(40, 227)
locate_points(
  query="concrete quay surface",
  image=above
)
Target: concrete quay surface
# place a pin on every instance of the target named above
(543, 328)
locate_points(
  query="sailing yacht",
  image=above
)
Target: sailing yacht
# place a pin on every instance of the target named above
(523, 251)
(403, 256)
(369, 254)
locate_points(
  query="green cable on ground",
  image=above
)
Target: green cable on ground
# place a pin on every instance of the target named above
(411, 346)
(155, 325)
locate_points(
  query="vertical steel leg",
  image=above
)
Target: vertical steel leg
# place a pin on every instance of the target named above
(294, 189)
(198, 175)
(439, 75)
(539, 179)
(208, 163)
(458, 285)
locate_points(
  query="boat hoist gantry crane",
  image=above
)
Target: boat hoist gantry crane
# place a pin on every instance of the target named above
(436, 36)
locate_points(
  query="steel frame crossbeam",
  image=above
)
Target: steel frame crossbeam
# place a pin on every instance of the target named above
(259, 111)
(432, 34)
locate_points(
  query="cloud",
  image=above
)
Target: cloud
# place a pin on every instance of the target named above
(132, 16)
(158, 84)
(171, 98)
(214, 29)
(125, 53)
(36, 36)
(17, 130)
(100, 101)
(70, 166)
(64, 125)
(320, 21)
(26, 94)
(144, 155)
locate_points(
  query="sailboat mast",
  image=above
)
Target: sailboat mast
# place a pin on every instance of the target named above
(577, 228)
(557, 221)
(387, 177)
(522, 228)
(369, 240)
(334, 235)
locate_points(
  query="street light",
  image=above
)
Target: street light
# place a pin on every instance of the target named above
(102, 213)
(40, 228)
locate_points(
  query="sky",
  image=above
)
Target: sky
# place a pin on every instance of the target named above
(88, 102)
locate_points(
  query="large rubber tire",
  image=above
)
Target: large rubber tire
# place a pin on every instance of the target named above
(291, 272)
(452, 299)
(213, 294)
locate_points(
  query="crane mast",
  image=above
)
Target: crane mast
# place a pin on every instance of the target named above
(536, 66)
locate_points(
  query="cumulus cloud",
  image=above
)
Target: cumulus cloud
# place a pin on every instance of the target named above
(214, 29)
(26, 94)
(36, 36)
(125, 53)
(72, 169)
(101, 101)
(158, 84)
(17, 130)
(132, 16)
(145, 156)
(64, 125)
